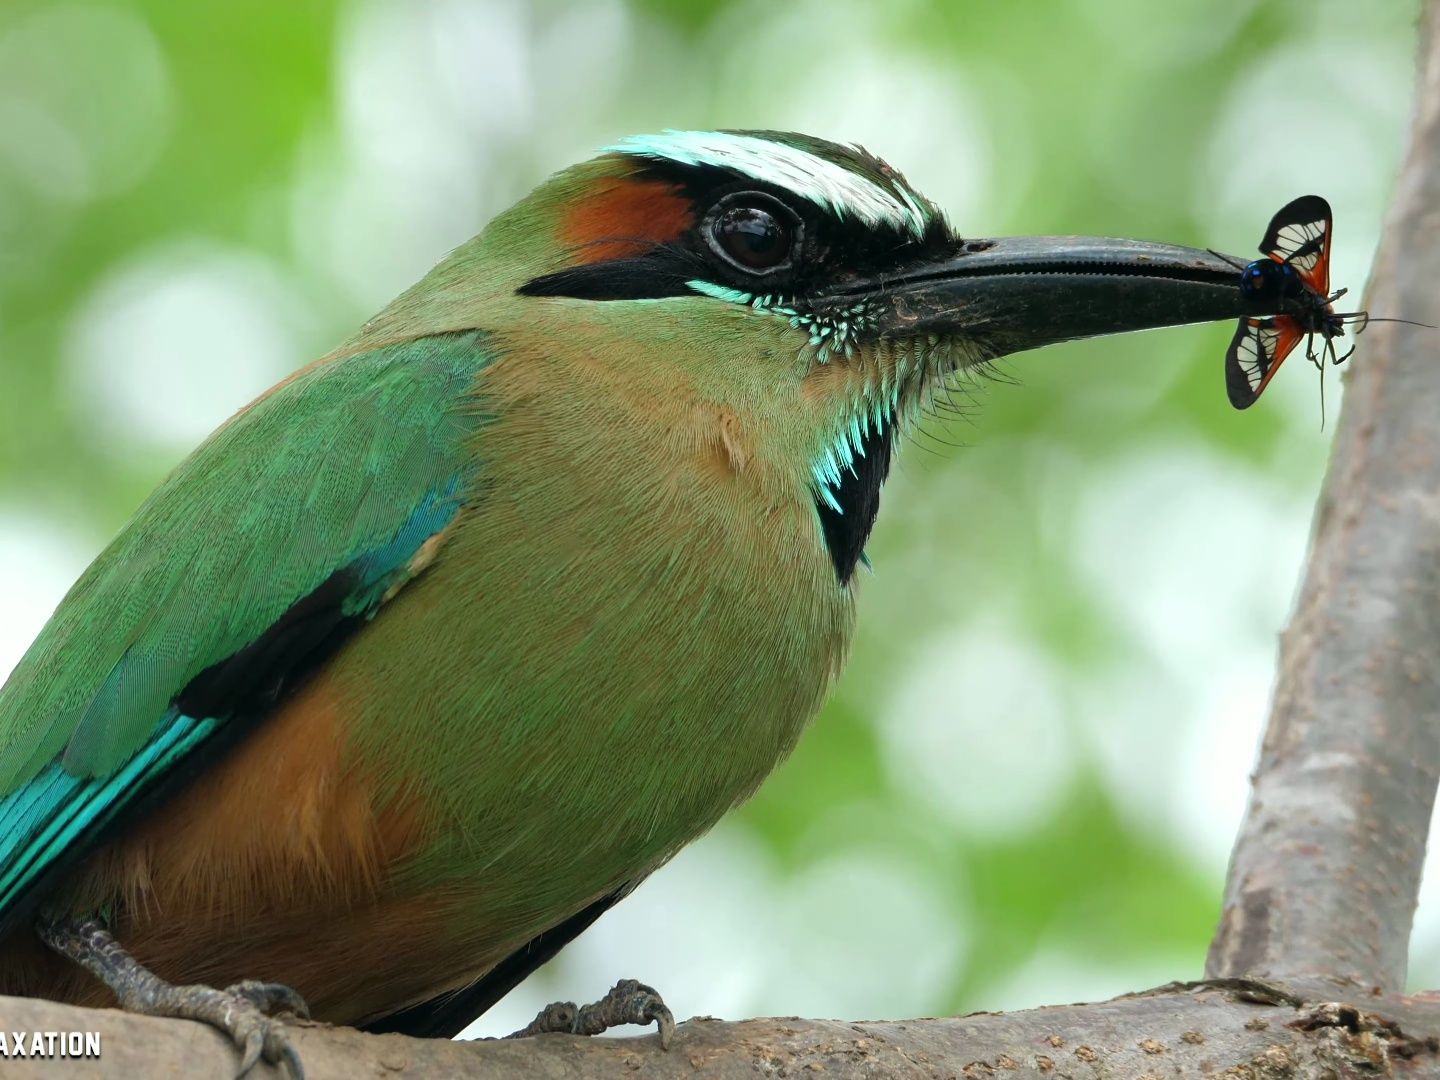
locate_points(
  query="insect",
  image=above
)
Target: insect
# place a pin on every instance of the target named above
(1297, 269)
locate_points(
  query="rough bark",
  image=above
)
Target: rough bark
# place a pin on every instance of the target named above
(1326, 869)
(1168, 1032)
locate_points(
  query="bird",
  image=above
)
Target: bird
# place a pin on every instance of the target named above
(433, 652)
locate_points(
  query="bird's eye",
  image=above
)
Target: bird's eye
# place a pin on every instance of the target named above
(755, 234)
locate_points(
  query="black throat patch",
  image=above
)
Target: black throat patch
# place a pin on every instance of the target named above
(858, 496)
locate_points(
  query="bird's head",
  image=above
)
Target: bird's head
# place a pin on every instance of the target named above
(801, 288)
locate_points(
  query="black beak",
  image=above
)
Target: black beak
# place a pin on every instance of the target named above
(1021, 292)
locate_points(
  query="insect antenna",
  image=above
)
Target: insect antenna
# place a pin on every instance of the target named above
(1226, 258)
(1368, 319)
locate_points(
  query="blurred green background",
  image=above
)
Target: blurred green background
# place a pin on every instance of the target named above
(1025, 788)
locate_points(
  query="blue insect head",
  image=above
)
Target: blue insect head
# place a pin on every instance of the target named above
(1266, 278)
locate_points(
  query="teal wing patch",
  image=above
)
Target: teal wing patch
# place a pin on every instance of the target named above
(287, 527)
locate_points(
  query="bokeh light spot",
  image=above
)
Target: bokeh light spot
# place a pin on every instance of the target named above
(174, 341)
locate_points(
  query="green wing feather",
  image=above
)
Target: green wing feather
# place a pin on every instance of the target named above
(336, 478)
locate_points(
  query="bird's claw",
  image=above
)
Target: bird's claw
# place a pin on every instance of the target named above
(271, 998)
(628, 1002)
(243, 1012)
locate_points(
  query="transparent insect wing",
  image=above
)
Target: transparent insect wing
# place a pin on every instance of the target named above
(1256, 352)
(1299, 235)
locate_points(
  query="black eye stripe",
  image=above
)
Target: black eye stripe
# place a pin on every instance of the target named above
(828, 251)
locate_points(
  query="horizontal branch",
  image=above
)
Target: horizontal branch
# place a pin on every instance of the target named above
(1172, 1031)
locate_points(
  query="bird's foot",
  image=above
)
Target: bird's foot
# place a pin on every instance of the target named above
(628, 1002)
(243, 1011)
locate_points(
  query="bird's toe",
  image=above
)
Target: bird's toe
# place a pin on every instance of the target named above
(271, 998)
(241, 1012)
(628, 1002)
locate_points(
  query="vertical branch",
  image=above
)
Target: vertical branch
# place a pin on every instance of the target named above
(1326, 870)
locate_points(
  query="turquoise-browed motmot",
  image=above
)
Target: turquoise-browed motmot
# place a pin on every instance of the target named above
(434, 651)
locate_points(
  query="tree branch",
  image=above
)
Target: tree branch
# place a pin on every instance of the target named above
(1168, 1032)
(1326, 871)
